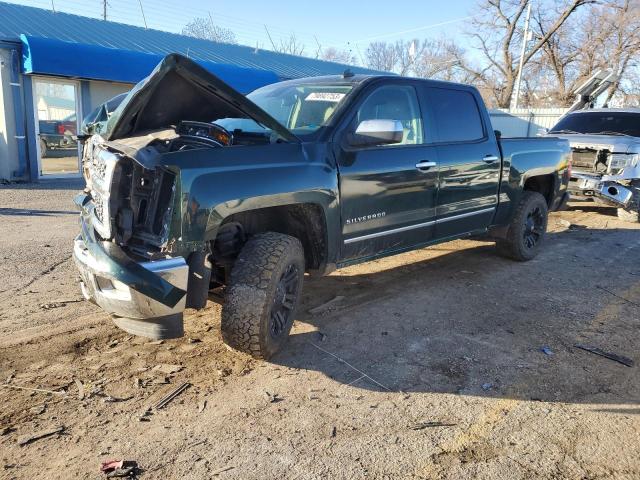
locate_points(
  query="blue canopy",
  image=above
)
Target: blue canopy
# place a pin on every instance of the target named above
(49, 56)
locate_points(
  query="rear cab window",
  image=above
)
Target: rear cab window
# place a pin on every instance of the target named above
(456, 115)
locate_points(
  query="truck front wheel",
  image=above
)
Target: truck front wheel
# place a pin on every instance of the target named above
(263, 294)
(527, 228)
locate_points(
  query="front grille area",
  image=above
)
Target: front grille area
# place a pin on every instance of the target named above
(98, 207)
(102, 169)
(584, 159)
(132, 204)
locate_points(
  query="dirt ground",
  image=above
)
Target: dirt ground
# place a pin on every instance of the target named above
(431, 365)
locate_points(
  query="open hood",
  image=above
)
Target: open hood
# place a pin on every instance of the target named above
(180, 89)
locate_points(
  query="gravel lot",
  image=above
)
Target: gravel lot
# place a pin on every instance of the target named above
(429, 366)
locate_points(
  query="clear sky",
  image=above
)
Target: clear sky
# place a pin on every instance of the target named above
(339, 23)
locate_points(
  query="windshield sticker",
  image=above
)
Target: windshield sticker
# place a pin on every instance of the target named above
(324, 97)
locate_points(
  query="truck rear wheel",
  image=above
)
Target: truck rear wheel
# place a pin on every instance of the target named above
(263, 294)
(527, 228)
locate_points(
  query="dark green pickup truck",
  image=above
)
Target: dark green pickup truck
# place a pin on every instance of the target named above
(195, 191)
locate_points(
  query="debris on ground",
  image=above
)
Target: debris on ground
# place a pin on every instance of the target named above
(111, 399)
(80, 389)
(144, 417)
(38, 409)
(273, 397)
(222, 470)
(564, 223)
(167, 368)
(334, 432)
(110, 465)
(52, 305)
(41, 390)
(120, 468)
(321, 336)
(326, 306)
(201, 406)
(611, 356)
(546, 351)
(487, 386)
(173, 394)
(41, 434)
(423, 425)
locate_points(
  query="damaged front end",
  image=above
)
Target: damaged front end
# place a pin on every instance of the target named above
(605, 174)
(121, 252)
(131, 256)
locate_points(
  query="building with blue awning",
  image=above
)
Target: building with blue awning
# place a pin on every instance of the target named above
(57, 68)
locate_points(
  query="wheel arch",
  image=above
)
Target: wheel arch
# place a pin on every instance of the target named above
(306, 221)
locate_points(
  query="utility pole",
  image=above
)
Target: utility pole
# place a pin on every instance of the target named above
(104, 10)
(525, 40)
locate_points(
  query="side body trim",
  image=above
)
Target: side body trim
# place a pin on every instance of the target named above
(417, 225)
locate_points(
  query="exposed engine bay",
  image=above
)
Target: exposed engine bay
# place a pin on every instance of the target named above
(133, 193)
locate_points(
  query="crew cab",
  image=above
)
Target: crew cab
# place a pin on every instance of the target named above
(195, 191)
(605, 146)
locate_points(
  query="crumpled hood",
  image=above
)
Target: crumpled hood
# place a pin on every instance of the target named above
(613, 143)
(180, 89)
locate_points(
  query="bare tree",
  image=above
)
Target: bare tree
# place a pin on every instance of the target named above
(205, 29)
(426, 58)
(440, 59)
(290, 45)
(381, 56)
(497, 35)
(332, 54)
(604, 36)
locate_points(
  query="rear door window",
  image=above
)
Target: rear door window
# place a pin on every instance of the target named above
(456, 115)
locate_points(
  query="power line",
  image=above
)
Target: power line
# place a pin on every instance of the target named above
(418, 29)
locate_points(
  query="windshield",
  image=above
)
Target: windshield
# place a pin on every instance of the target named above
(302, 108)
(600, 123)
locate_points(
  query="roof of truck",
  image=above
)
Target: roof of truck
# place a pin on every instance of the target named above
(609, 110)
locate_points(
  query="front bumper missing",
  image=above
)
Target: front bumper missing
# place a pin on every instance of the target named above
(610, 192)
(145, 298)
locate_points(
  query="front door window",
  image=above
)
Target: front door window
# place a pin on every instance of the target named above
(57, 126)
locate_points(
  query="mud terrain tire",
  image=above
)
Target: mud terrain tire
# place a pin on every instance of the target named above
(527, 229)
(263, 294)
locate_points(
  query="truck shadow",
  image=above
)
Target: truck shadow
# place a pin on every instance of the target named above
(593, 207)
(469, 322)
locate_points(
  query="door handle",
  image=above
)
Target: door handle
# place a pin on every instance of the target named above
(425, 164)
(490, 159)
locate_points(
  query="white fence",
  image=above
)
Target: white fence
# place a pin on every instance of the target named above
(524, 122)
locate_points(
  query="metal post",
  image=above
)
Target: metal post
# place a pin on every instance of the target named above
(525, 39)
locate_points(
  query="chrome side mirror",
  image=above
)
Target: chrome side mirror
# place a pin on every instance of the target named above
(377, 132)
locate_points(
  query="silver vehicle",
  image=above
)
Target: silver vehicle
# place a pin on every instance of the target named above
(605, 146)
